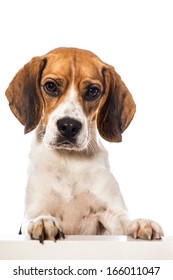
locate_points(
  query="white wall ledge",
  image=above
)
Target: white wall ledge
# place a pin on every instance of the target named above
(86, 248)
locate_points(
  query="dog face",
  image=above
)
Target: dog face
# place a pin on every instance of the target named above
(67, 94)
(72, 88)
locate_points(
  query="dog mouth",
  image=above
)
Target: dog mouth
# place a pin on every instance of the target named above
(64, 145)
(59, 142)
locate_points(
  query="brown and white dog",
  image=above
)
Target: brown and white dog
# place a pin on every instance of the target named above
(68, 95)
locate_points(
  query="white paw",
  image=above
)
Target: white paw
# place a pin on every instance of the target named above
(144, 229)
(45, 227)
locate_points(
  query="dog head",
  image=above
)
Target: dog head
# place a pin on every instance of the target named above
(67, 94)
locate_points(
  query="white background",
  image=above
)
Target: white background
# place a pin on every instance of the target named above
(134, 36)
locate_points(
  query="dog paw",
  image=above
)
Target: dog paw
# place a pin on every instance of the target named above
(144, 229)
(45, 228)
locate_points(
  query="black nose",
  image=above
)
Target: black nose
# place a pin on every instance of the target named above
(68, 128)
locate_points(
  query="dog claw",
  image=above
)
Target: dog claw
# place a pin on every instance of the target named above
(45, 229)
(59, 235)
(41, 238)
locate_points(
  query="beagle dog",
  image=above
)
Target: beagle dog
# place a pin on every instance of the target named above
(69, 96)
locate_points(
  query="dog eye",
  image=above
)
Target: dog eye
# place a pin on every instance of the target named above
(51, 88)
(92, 93)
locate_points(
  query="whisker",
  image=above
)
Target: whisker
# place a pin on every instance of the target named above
(92, 147)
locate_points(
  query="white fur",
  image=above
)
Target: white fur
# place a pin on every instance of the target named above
(63, 187)
(71, 189)
(69, 108)
(53, 173)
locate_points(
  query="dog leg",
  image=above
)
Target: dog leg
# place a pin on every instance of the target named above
(144, 229)
(45, 227)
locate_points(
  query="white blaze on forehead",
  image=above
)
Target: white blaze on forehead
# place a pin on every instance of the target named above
(70, 107)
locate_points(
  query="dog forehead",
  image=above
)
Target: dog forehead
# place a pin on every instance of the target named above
(73, 63)
(62, 66)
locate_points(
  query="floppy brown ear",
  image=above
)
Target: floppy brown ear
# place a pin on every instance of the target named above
(24, 94)
(118, 108)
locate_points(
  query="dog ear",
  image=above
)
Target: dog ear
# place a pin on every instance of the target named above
(117, 109)
(24, 94)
